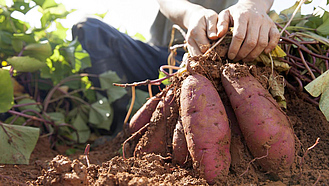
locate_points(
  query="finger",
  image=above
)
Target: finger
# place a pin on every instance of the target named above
(211, 22)
(193, 48)
(250, 41)
(198, 38)
(274, 39)
(261, 43)
(223, 22)
(239, 33)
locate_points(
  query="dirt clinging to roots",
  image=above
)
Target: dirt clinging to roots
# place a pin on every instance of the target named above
(108, 167)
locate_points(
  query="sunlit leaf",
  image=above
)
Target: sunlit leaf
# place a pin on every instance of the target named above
(6, 91)
(321, 86)
(3, 2)
(162, 75)
(101, 15)
(40, 51)
(139, 36)
(101, 114)
(47, 3)
(17, 143)
(25, 64)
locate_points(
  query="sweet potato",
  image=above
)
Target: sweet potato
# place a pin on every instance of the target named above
(206, 127)
(264, 125)
(144, 114)
(155, 138)
(179, 147)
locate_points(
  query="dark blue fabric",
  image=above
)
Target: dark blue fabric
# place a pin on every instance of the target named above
(110, 49)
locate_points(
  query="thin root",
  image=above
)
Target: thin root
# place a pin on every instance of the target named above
(131, 137)
(308, 149)
(253, 161)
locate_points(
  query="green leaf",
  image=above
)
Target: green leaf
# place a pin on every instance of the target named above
(28, 38)
(58, 117)
(47, 3)
(26, 64)
(101, 112)
(17, 45)
(287, 13)
(21, 6)
(166, 81)
(324, 28)
(3, 2)
(40, 51)
(17, 143)
(321, 86)
(28, 107)
(113, 92)
(139, 36)
(18, 121)
(6, 91)
(82, 128)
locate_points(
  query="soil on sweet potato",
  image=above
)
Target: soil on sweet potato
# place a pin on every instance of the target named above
(108, 167)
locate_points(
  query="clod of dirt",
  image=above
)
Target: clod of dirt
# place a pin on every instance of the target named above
(63, 171)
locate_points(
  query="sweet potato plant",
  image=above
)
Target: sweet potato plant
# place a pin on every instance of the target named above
(190, 124)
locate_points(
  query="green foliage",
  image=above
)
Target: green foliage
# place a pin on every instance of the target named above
(6, 92)
(320, 86)
(317, 22)
(312, 27)
(58, 94)
(13, 142)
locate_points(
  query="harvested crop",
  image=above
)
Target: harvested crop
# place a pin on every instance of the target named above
(264, 125)
(206, 127)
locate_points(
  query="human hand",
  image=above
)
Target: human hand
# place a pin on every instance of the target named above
(254, 31)
(202, 27)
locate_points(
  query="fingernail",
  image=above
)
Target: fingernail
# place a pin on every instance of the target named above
(212, 35)
(231, 56)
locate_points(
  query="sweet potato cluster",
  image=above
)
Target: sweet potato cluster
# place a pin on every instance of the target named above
(188, 120)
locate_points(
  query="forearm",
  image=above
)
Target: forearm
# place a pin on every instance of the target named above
(178, 11)
(267, 4)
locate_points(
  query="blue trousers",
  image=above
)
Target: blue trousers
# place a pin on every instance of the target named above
(110, 49)
(131, 59)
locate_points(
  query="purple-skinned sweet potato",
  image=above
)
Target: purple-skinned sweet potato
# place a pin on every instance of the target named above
(144, 114)
(265, 127)
(179, 147)
(206, 128)
(155, 139)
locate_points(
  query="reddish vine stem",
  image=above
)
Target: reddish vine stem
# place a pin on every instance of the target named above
(305, 49)
(87, 149)
(306, 65)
